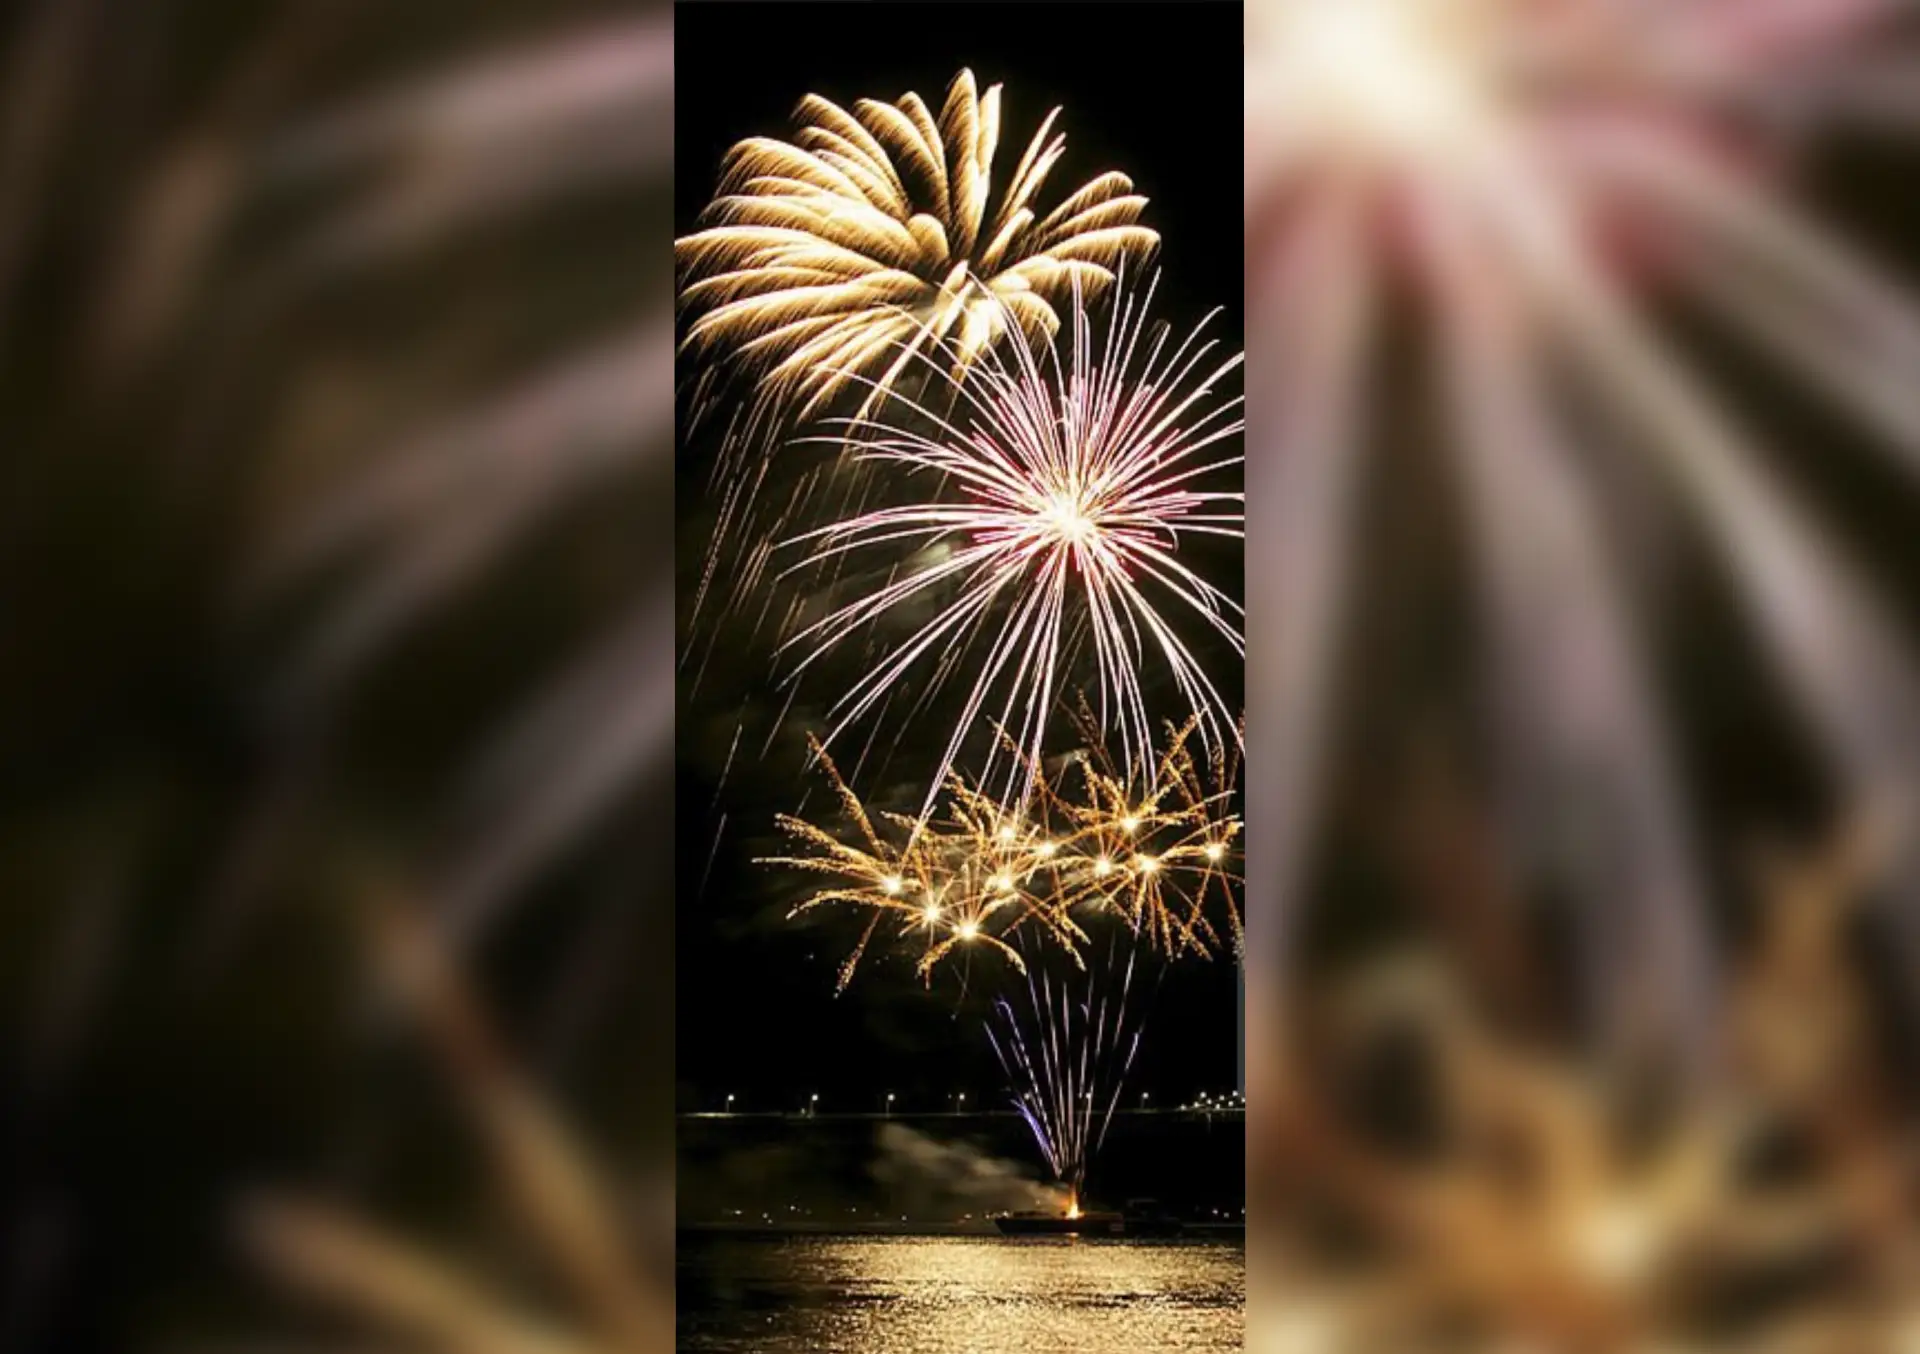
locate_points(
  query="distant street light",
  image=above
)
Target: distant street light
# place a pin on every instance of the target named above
(889, 1104)
(729, 1104)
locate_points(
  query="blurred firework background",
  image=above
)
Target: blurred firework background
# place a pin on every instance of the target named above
(1582, 577)
(335, 354)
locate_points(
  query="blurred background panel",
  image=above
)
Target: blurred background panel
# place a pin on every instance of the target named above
(1584, 742)
(335, 674)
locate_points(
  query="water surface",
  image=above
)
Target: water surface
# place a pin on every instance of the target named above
(957, 1295)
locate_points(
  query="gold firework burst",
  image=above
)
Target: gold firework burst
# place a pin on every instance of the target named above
(1091, 841)
(831, 259)
(1159, 852)
(961, 882)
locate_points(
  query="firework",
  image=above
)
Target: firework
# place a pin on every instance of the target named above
(1048, 514)
(1627, 1229)
(958, 884)
(1067, 1046)
(1524, 169)
(1158, 858)
(875, 233)
(1161, 854)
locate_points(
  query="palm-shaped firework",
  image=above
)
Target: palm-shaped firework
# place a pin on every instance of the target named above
(875, 234)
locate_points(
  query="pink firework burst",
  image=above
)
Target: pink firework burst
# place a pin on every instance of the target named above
(1043, 530)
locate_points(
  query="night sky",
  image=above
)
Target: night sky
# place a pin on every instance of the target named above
(1152, 90)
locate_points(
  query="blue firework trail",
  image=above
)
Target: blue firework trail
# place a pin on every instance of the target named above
(1067, 1049)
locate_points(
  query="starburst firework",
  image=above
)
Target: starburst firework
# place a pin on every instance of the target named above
(1162, 854)
(959, 884)
(1045, 527)
(874, 234)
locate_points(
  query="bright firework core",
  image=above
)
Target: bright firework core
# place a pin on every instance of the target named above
(1373, 77)
(1067, 519)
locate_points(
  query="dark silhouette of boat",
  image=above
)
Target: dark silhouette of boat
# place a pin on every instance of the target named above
(1074, 1223)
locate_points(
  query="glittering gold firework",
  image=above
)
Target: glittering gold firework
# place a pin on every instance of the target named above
(1160, 858)
(1166, 858)
(837, 256)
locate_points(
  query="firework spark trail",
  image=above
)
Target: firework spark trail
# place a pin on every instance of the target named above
(1157, 854)
(1069, 484)
(1846, 661)
(1597, 149)
(1581, 730)
(1068, 1054)
(944, 889)
(1319, 331)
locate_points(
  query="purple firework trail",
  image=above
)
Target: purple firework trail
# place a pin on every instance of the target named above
(1068, 1050)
